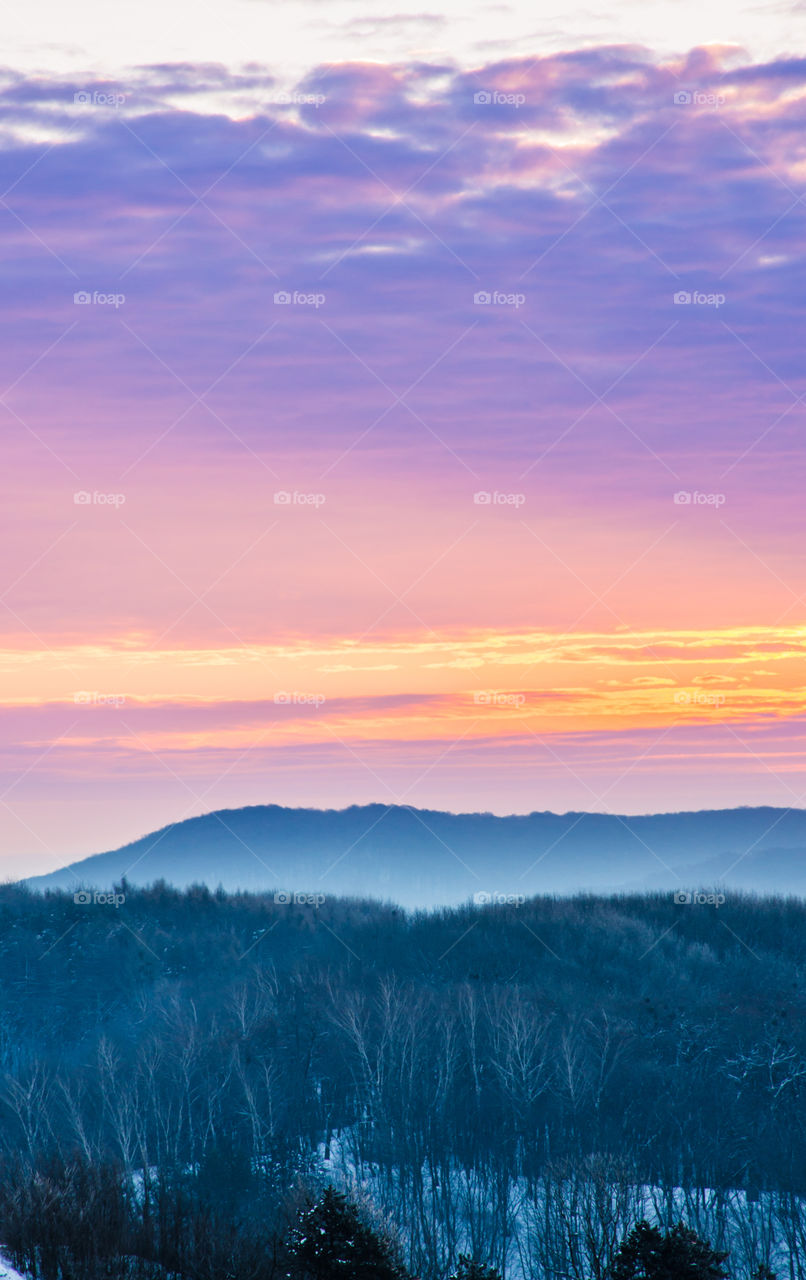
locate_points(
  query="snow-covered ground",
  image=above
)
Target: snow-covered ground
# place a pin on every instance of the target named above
(7, 1272)
(767, 1228)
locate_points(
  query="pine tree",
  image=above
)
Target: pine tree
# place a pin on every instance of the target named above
(331, 1241)
(647, 1254)
(764, 1272)
(468, 1270)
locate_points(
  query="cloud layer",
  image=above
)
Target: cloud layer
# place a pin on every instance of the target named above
(391, 359)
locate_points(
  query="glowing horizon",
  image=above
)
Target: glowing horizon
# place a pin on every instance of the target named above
(429, 431)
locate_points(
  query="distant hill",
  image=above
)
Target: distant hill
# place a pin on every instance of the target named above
(423, 857)
(762, 870)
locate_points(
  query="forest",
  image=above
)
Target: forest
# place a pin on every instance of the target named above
(517, 1084)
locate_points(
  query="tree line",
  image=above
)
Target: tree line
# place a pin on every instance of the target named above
(518, 1083)
(73, 1219)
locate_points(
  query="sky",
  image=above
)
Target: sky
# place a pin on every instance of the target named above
(398, 407)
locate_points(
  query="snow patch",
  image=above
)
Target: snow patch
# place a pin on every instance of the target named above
(7, 1272)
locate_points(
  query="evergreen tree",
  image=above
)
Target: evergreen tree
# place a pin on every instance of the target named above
(648, 1254)
(468, 1270)
(331, 1241)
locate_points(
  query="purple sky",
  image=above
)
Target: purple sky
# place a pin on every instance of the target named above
(581, 197)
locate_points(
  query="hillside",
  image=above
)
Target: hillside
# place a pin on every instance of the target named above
(421, 857)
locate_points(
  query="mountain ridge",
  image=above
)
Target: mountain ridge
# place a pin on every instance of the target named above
(423, 857)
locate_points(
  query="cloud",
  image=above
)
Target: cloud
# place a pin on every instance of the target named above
(596, 198)
(402, 286)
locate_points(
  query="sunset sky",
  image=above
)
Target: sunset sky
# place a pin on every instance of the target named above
(482, 517)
